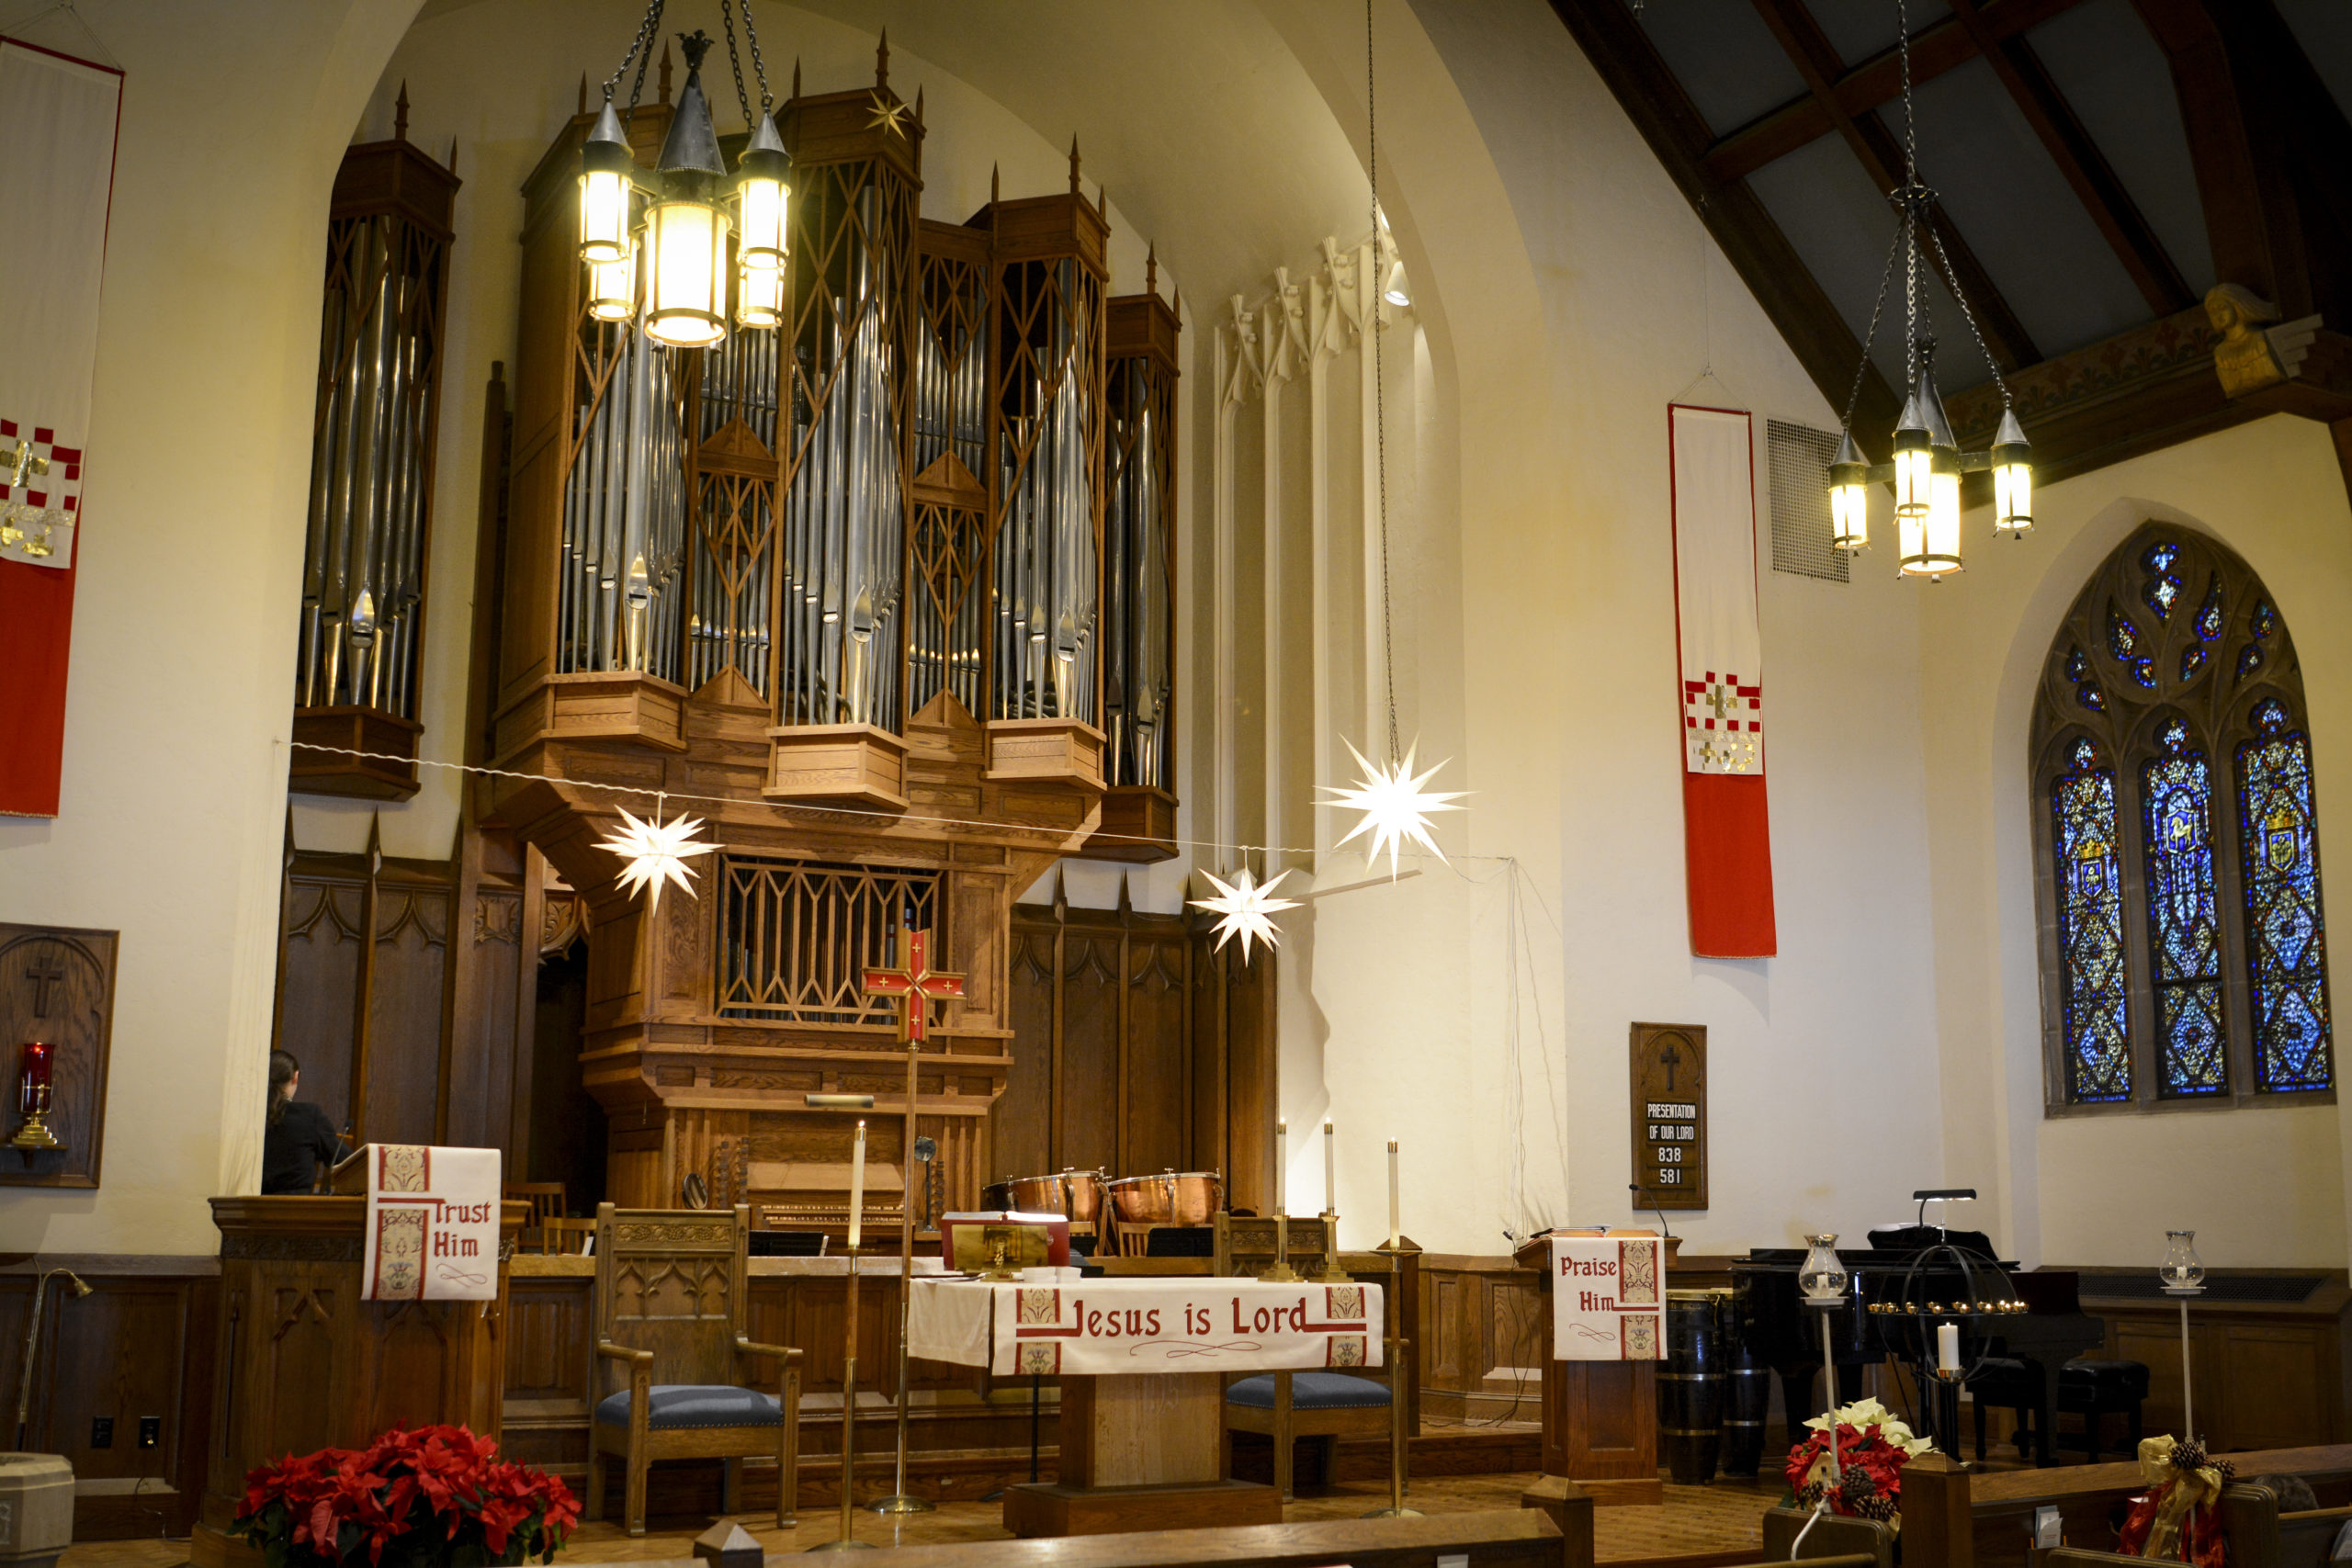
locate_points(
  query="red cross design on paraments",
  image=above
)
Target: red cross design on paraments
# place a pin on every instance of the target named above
(917, 983)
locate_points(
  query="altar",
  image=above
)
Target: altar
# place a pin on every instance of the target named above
(1143, 1364)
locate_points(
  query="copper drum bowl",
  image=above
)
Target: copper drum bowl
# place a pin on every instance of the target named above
(1076, 1195)
(1172, 1198)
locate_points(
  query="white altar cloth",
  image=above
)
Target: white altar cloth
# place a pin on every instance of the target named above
(1163, 1325)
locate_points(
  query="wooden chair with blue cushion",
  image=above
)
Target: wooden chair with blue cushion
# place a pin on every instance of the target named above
(1288, 1405)
(669, 1319)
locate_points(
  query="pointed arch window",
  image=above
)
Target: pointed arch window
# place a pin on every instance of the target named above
(2183, 942)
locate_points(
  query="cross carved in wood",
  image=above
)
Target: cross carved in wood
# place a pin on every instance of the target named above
(45, 973)
(1671, 1059)
(915, 983)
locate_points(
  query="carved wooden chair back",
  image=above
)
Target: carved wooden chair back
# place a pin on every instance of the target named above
(671, 1281)
(546, 1197)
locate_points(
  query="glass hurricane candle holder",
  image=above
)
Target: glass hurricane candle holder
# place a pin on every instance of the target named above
(1822, 1276)
(2182, 1269)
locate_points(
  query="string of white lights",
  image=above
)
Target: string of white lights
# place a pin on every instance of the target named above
(791, 806)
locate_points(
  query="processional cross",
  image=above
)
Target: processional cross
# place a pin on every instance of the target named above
(916, 984)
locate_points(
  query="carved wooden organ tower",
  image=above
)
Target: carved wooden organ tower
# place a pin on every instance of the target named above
(845, 583)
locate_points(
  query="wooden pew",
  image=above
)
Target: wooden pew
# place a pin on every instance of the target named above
(2304, 1539)
(1957, 1517)
(1496, 1538)
(1830, 1535)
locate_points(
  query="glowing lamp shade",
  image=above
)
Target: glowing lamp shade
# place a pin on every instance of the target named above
(1915, 462)
(606, 182)
(2012, 476)
(762, 187)
(759, 296)
(612, 290)
(685, 273)
(1849, 501)
(1931, 543)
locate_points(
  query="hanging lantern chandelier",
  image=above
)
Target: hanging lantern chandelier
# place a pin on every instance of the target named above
(1927, 462)
(669, 260)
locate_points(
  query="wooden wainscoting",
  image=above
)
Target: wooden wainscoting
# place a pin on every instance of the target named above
(2270, 1374)
(138, 1348)
(1481, 1337)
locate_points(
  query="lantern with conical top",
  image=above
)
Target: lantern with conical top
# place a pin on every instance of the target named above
(686, 227)
(608, 180)
(2012, 476)
(1927, 477)
(1849, 500)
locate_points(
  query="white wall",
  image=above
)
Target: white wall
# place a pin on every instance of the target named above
(179, 696)
(2261, 1186)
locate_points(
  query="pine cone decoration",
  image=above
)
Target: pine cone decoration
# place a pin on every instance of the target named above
(2190, 1454)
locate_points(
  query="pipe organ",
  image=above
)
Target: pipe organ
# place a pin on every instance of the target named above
(845, 582)
(357, 657)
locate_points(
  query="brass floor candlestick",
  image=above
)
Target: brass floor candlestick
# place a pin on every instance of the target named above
(900, 1501)
(1333, 1273)
(1397, 1348)
(849, 1541)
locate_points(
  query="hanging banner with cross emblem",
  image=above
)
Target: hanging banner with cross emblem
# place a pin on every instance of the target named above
(57, 138)
(1726, 830)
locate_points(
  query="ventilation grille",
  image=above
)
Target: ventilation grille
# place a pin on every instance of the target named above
(1800, 462)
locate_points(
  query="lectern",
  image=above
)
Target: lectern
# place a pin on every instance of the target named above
(1600, 1417)
(304, 1364)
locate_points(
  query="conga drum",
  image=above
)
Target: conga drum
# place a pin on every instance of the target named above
(1691, 1387)
(1748, 1392)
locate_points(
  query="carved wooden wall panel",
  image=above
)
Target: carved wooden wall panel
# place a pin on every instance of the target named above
(1137, 1049)
(403, 1048)
(57, 984)
(318, 978)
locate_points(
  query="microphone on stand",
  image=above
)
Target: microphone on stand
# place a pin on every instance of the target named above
(1640, 1191)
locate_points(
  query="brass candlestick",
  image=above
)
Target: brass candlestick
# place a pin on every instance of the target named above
(1281, 1273)
(849, 1541)
(1397, 1347)
(1333, 1273)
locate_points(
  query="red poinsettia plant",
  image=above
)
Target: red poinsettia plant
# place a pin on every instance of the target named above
(428, 1497)
(1873, 1445)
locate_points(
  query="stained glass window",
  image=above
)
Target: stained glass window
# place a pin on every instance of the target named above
(2090, 930)
(2186, 957)
(2285, 943)
(2183, 927)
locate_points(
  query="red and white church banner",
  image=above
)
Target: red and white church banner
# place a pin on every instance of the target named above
(1165, 1324)
(1726, 831)
(1608, 1298)
(433, 1218)
(58, 118)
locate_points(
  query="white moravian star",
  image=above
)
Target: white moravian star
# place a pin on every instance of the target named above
(1244, 905)
(656, 853)
(1394, 805)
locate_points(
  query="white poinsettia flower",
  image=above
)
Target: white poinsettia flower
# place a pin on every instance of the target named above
(1863, 1413)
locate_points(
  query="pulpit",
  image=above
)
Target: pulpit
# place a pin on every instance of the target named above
(1600, 1417)
(303, 1363)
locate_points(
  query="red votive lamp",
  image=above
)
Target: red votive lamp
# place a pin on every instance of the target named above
(35, 1062)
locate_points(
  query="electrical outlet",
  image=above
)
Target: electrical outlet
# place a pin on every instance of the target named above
(151, 1432)
(101, 1431)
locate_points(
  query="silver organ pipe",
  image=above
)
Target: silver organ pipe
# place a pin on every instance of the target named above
(845, 506)
(734, 566)
(624, 509)
(1047, 576)
(946, 604)
(371, 461)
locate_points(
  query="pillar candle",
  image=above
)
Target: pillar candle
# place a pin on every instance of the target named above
(1331, 1174)
(1282, 1164)
(1948, 1347)
(857, 1189)
(1394, 1234)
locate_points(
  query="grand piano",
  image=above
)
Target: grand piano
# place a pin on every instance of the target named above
(1774, 1327)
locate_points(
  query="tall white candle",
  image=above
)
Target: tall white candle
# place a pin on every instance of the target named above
(1331, 1174)
(857, 1189)
(1394, 1234)
(1282, 1164)
(1948, 1347)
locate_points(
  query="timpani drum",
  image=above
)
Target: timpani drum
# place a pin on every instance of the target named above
(1172, 1198)
(1076, 1195)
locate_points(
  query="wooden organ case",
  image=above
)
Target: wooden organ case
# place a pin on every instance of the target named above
(838, 588)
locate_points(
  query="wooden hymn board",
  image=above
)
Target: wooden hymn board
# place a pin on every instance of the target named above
(1669, 1082)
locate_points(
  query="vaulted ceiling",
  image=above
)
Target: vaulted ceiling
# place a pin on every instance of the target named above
(2101, 166)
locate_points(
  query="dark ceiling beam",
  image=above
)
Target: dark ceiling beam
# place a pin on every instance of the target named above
(1935, 50)
(2271, 147)
(1678, 134)
(1816, 61)
(2078, 158)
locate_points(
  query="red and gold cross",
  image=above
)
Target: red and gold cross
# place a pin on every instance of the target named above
(916, 982)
